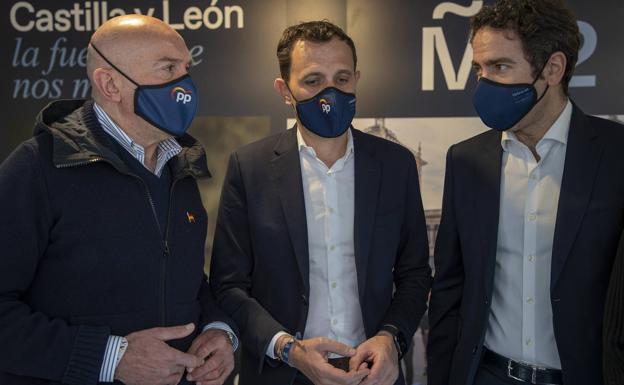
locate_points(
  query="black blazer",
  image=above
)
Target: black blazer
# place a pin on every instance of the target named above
(260, 271)
(589, 221)
(614, 323)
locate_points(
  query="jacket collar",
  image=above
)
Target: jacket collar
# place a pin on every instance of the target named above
(367, 173)
(582, 160)
(78, 139)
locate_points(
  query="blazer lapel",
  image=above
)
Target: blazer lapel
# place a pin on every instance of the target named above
(287, 173)
(487, 205)
(367, 176)
(583, 154)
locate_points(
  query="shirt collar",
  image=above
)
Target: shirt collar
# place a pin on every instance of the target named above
(558, 132)
(167, 149)
(301, 144)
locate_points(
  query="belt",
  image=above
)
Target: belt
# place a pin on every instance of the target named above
(519, 371)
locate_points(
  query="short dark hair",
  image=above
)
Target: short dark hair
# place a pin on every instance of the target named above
(314, 31)
(543, 26)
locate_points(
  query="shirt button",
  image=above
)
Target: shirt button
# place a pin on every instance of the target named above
(529, 300)
(531, 258)
(532, 177)
(529, 342)
(332, 248)
(331, 210)
(333, 285)
(532, 217)
(334, 321)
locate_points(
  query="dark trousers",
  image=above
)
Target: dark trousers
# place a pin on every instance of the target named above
(300, 379)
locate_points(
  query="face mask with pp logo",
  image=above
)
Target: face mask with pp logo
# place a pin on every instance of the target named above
(329, 113)
(501, 106)
(170, 107)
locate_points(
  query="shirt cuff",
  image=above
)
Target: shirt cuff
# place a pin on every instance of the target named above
(109, 365)
(226, 328)
(271, 348)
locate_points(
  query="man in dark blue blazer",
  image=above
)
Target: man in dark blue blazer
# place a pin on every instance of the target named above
(320, 251)
(532, 213)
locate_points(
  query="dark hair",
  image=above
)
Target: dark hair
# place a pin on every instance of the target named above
(314, 31)
(543, 26)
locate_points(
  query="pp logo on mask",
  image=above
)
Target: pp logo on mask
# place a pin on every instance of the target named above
(325, 106)
(179, 94)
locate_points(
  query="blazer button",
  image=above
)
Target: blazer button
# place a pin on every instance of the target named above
(487, 301)
(304, 299)
(474, 350)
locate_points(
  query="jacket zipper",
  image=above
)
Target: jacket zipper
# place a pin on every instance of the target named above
(163, 283)
(81, 163)
(166, 251)
(164, 260)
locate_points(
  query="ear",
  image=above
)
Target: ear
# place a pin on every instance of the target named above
(555, 69)
(105, 83)
(357, 77)
(282, 90)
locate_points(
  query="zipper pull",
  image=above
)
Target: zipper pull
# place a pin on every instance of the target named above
(166, 252)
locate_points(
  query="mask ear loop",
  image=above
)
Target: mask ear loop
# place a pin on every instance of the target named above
(291, 93)
(112, 65)
(537, 78)
(293, 105)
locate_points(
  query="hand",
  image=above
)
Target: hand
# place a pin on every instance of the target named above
(150, 361)
(381, 353)
(215, 347)
(310, 357)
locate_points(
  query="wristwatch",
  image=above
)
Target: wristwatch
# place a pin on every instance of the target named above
(231, 336)
(284, 352)
(399, 339)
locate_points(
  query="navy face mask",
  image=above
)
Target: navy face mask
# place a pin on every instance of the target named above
(170, 106)
(500, 106)
(329, 113)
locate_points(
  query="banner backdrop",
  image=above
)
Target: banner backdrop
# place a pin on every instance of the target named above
(414, 56)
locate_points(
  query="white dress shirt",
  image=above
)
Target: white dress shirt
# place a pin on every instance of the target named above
(334, 305)
(521, 321)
